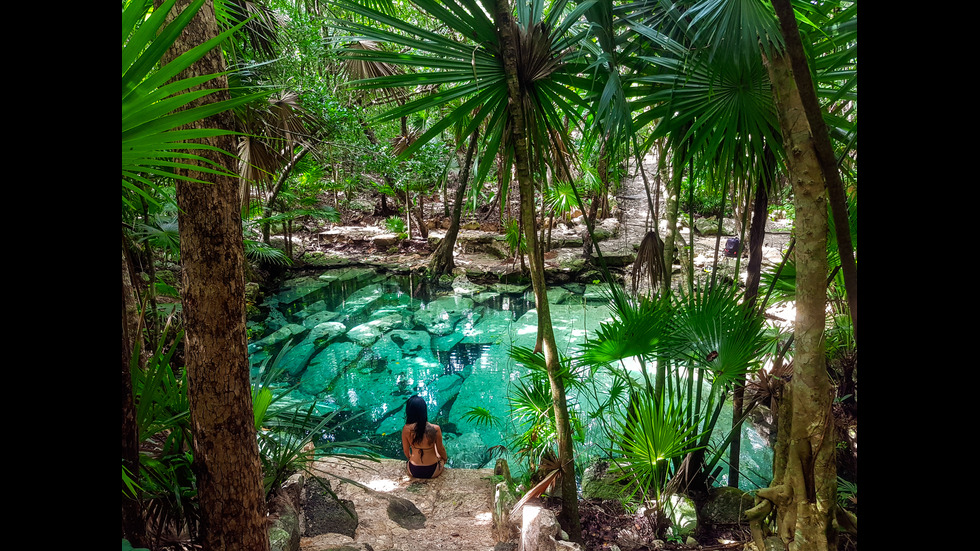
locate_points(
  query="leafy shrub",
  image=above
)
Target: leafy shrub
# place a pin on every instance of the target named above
(395, 224)
(707, 200)
(514, 237)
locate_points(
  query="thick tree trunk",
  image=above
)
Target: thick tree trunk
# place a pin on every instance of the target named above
(507, 32)
(805, 493)
(442, 258)
(823, 150)
(226, 455)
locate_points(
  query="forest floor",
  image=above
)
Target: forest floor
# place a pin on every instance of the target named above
(353, 240)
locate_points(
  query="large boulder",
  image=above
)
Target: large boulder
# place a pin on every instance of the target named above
(324, 514)
(598, 482)
(726, 505)
(709, 226)
(540, 531)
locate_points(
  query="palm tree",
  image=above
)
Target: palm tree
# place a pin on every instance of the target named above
(522, 76)
(160, 112)
(729, 40)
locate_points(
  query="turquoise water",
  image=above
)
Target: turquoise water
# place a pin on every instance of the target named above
(363, 343)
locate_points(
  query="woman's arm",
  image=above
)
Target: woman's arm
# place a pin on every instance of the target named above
(406, 443)
(440, 448)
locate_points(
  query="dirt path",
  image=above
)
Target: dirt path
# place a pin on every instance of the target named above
(455, 509)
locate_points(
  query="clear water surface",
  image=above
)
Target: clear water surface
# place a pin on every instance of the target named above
(363, 343)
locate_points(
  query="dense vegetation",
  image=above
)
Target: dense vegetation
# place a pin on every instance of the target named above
(243, 120)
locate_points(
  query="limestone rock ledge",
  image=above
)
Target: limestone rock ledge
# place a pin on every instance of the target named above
(398, 513)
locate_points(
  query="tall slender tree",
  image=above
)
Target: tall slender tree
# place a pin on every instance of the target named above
(523, 74)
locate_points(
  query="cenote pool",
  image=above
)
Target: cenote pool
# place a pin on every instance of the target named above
(363, 343)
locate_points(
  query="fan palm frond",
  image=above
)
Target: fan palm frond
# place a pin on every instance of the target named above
(155, 143)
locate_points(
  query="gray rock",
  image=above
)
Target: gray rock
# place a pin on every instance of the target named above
(317, 318)
(297, 357)
(326, 365)
(323, 514)
(405, 514)
(411, 343)
(463, 286)
(440, 315)
(682, 514)
(540, 531)
(619, 257)
(361, 299)
(323, 333)
(709, 226)
(726, 505)
(599, 483)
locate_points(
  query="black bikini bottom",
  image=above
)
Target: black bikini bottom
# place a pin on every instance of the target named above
(422, 471)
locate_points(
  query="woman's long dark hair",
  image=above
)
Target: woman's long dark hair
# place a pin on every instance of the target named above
(417, 413)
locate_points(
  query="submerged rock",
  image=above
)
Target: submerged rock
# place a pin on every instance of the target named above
(361, 299)
(319, 317)
(440, 316)
(463, 286)
(326, 365)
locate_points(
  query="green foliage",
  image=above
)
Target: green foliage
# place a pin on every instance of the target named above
(846, 492)
(481, 417)
(154, 122)
(532, 408)
(265, 254)
(395, 224)
(651, 435)
(707, 199)
(514, 237)
(161, 231)
(168, 484)
(293, 433)
(126, 546)
(560, 199)
(465, 63)
(706, 338)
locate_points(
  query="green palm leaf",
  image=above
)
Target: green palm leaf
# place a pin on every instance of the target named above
(153, 143)
(469, 71)
(715, 332)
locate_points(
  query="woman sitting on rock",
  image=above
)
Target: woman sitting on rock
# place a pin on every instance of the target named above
(422, 441)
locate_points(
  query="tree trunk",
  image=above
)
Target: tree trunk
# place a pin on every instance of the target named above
(226, 454)
(280, 183)
(757, 235)
(805, 494)
(507, 33)
(671, 234)
(133, 527)
(823, 150)
(442, 258)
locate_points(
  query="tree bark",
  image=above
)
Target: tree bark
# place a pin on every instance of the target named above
(670, 235)
(507, 33)
(808, 482)
(823, 150)
(226, 455)
(133, 527)
(442, 258)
